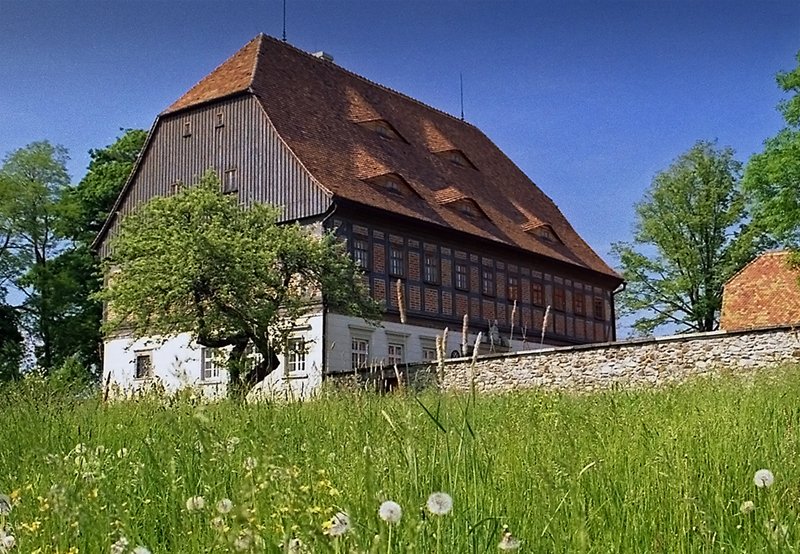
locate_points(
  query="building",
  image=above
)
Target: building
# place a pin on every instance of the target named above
(764, 293)
(419, 196)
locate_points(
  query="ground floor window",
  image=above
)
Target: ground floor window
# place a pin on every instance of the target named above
(296, 355)
(360, 352)
(213, 362)
(395, 356)
(144, 365)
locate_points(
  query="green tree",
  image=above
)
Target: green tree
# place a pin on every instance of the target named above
(11, 345)
(76, 271)
(33, 180)
(772, 177)
(198, 262)
(690, 237)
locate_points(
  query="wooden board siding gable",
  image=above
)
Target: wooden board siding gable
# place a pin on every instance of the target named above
(231, 134)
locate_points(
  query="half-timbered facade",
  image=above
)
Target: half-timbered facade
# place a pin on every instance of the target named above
(424, 200)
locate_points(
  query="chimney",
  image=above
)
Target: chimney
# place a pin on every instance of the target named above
(322, 55)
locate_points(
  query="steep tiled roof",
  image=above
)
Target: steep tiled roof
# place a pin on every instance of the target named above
(318, 108)
(764, 293)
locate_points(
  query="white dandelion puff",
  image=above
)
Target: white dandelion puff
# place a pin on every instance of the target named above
(195, 503)
(218, 523)
(338, 525)
(440, 503)
(250, 463)
(747, 507)
(224, 506)
(141, 550)
(390, 512)
(120, 546)
(7, 541)
(509, 541)
(5, 505)
(763, 478)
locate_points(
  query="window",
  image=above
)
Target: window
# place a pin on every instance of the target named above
(462, 277)
(213, 361)
(578, 304)
(395, 356)
(360, 352)
(559, 302)
(295, 355)
(187, 129)
(220, 122)
(428, 354)
(361, 252)
(383, 129)
(229, 183)
(599, 308)
(488, 281)
(537, 294)
(513, 288)
(144, 365)
(431, 268)
(177, 186)
(397, 261)
(468, 209)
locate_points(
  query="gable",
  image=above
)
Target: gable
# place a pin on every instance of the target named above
(234, 138)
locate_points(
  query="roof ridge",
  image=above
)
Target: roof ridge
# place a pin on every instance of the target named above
(770, 253)
(373, 83)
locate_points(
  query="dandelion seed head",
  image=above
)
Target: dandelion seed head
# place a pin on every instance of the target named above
(509, 541)
(338, 525)
(747, 507)
(5, 505)
(7, 541)
(440, 503)
(763, 478)
(120, 546)
(141, 550)
(195, 503)
(390, 512)
(218, 523)
(250, 463)
(224, 506)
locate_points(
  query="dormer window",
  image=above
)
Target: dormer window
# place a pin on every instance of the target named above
(542, 231)
(391, 183)
(383, 129)
(460, 202)
(467, 208)
(456, 157)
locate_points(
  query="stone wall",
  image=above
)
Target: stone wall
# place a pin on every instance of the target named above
(634, 363)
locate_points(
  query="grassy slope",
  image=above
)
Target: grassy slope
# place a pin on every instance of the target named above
(611, 472)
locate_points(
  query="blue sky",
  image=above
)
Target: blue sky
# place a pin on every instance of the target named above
(590, 99)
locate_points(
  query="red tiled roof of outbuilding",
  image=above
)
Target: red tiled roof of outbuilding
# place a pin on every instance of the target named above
(318, 109)
(763, 293)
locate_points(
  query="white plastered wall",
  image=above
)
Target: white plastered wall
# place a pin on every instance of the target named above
(177, 364)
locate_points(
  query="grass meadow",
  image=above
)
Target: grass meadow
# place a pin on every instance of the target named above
(617, 471)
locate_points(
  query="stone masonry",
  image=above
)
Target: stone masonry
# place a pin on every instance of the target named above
(635, 363)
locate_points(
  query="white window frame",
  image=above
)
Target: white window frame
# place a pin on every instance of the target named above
(295, 357)
(395, 354)
(212, 363)
(359, 352)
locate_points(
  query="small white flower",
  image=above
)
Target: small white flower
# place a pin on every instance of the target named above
(338, 525)
(120, 546)
(224, 506)
(7, 542)
(747, 507)
(195, 503)
(295, 546)
(218, 523)
(5, 505)
(763, 478)
(440, 503)
(250, 463)
(509, 541)
(390, 512)
(141, 550)
(122, 452)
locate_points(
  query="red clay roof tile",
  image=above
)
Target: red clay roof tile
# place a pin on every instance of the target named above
(316, 105)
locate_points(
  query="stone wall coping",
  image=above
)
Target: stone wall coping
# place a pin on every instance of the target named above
(635, 342)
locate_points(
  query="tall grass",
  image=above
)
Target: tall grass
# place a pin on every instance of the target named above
(617, 471)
